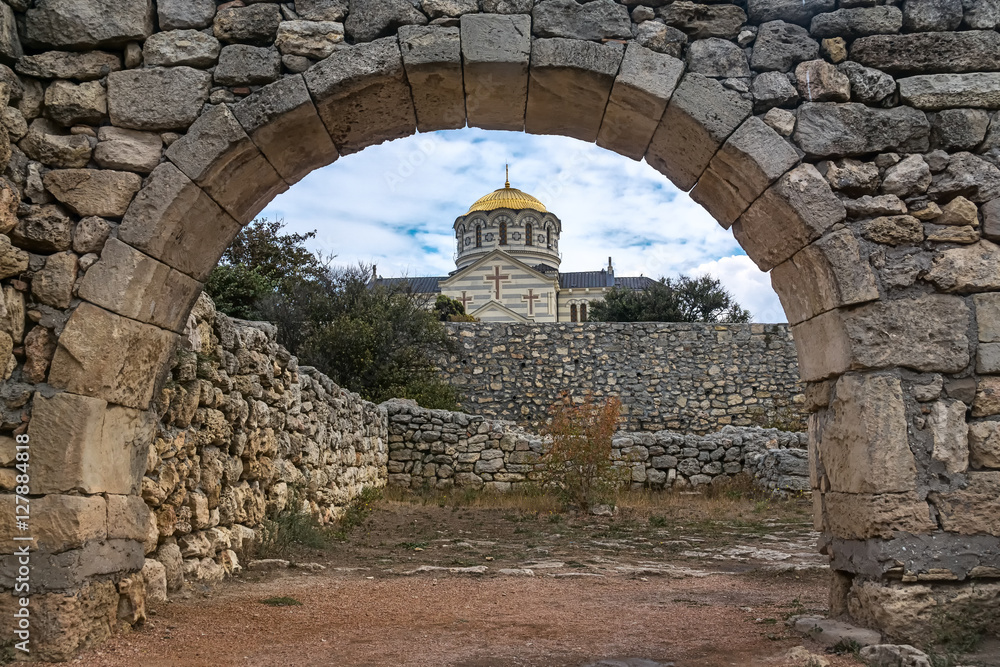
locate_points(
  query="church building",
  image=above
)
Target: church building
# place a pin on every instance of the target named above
(508, 265)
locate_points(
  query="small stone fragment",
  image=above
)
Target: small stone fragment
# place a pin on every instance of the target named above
(781, 121)
(819, 81)
(53, 285)
(894, 230)
(910, 177)
(959, 211)
(90, 234)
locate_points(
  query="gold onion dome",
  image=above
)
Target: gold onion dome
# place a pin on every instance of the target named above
(507, 197)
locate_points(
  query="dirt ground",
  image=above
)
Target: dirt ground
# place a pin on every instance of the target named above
(683, 582)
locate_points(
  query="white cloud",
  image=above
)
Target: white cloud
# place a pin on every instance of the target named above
(749, 285)
(394, 205)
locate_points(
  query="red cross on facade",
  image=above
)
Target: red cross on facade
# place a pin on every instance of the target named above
(530, 297)
(466, 300)
(496, 278)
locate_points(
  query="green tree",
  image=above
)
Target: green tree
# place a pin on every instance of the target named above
(683, 299)
(451, 310)
(258, 263)
(376, 339)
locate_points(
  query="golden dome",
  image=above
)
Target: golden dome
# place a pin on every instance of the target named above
(507, 197)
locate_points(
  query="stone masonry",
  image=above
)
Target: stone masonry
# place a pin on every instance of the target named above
(243, 430)
(442, 449)
(852, 147)
(692, 378)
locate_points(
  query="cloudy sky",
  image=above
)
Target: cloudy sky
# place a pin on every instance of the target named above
(394, 205)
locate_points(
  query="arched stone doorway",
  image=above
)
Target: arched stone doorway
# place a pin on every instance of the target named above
(861, 193)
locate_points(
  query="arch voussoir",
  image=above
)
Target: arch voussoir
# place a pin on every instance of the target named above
(218, 156)
(282, 122)
(432, 57)
(496, 52)
(646, 80)
(569, 85)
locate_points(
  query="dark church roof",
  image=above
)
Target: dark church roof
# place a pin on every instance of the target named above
(578, 279)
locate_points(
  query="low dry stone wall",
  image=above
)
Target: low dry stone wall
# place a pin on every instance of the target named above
(689, 377)
(442, 449)
(244, 431)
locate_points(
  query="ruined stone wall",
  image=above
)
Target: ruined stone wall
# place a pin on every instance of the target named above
(244, 430)
(441, 449)
(688, 377)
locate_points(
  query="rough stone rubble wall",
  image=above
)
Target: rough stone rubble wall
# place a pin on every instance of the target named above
(243, 430)
(441, 449)
(693, 378)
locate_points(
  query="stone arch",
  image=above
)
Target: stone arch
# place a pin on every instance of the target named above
(880, 248)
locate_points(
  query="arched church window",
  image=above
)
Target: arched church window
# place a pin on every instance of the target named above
(583, 312)
(479, 236)
(461, 235)
(548, 240)
(527, 234)
(572, 313)
(503, 231)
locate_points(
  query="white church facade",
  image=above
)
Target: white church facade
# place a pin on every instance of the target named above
(507, 265)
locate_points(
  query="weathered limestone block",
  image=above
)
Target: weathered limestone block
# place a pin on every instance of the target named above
(943, 91)
(789, 215)
(982, 14)
(974, 509)
(930, 52)
(819, 81)
(930, 15)
(128, 150)
(950, 234)
(701, 21)
(569, 86)
(852, 516)
(911, 176)
(436, 9)
(495, 56)
(597, 20)
(132, 600)
(86, 24)
(868, 85)
(717, 58)
(699, 118)
(984, 444)
(837, 130)
(370, 19)
(87, 66)
(974, 268)
(773, 89)
(362, 96)
(660, 38)
(12, 260)
(861, 440)
(220, 158)
(39, 346)
(432, 57)
(71, 104)
(180, 47)
(185, 14)
(155, 575)
(921, 333)
(53, 285)
(893, 230)
(10, 43)
(309, 39)
(157, 99)
(84, 444)
(826, 274)
(256, 24)
(780, 46)
(58, 522)
(49, 144)
(107, 356)
(752, 158)
(44, 229)
(967, 175)
(644, 84)
(793, 11)
(90, 234)
(101, 192)
(161, 223)
(245, 65)
(950, 434)
(132, 284)
(282, 122)
(857, 22)
(987, 400)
